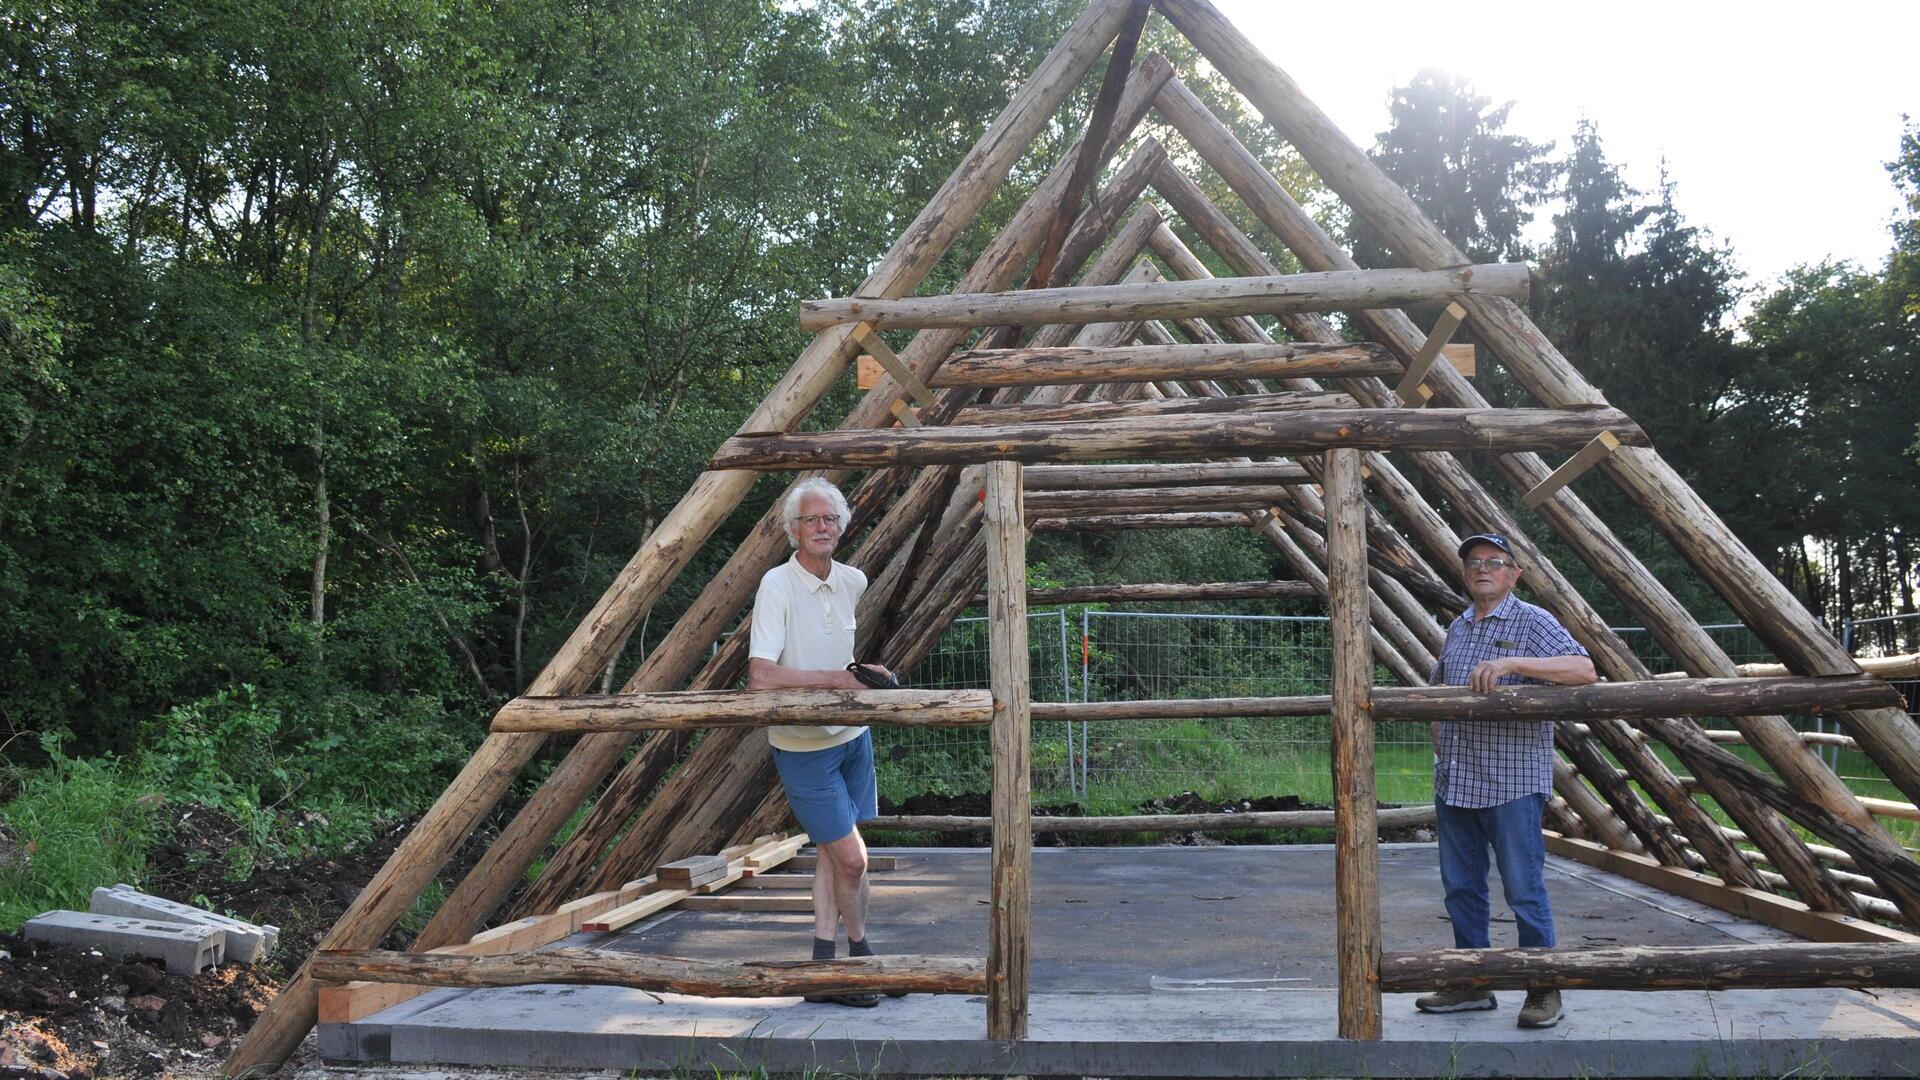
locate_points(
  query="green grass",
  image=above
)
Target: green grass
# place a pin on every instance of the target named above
(75, 825)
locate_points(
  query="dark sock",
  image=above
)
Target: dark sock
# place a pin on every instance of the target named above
(859, 948)
(823, 949)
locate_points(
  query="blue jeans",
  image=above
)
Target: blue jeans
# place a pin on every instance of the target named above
(1512, 830)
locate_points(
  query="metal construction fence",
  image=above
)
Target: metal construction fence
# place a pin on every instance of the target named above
(1082, 654)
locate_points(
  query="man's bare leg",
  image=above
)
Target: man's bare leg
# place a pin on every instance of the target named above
(849, 888)
(826, 911)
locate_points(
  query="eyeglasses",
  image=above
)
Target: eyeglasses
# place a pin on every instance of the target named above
(813, 520)
(1496, 564)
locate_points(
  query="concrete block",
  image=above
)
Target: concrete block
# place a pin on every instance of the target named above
(185, 949)
(246, 942)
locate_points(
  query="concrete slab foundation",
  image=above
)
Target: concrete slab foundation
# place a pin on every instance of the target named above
(1161, 962)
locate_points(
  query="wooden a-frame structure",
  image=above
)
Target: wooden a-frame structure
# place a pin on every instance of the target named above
(1087, 331)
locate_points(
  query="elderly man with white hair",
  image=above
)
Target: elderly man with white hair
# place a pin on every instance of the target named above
(803, 635)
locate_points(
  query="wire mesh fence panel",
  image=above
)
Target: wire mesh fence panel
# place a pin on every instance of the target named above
(1133, 656)
(953, 761)
(1889, 635)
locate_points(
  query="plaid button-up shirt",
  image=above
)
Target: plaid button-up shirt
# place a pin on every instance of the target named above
(1484, 763)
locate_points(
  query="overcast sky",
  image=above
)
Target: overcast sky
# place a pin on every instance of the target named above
(1775, 121)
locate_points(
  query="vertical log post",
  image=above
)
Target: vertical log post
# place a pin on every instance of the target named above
(1012, 862)
(1356, 839)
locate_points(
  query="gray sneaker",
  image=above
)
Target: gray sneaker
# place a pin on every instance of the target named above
(1542, 1009)
(1451, 1001)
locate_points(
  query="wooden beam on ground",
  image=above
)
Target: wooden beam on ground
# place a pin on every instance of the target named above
(698, 709)
(1163, 474)
(1489, 430)
(1205, 519)
(1769, 966)
(661, 974)
(1410, 391)
(1074, 366)
(1086, 411)
(1153, 500)
(1356, 836)
(1778, 912)
(1008, 929)
(1337, 291)
(1395, 818)
(1169, 592)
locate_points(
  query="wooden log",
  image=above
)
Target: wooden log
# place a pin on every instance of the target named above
(1019, 413)
(1633, 700)
(1164, 474)
(697, 709)
(1625, 802)
(1303, 566)
(1770, 966)
(1009, 885)
(998, 266)
(1168, 592)
(1155, 500)
(1204, 519)
(1337, 291)
(1592, 811)
(1067, 366)
(1183, 437)
(1356, 842)
(1418, 651)
(1906, 666)
(660, 974)
(1401, 817)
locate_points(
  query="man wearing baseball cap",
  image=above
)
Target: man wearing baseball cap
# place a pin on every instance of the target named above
(1492, 778)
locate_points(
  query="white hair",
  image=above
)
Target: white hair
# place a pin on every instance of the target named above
(790, 510)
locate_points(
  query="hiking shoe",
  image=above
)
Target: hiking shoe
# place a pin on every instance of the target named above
(852, 1001)
(1451, 1001)
(1542, 1009)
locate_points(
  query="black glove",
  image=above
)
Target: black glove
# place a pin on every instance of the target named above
(873, 678)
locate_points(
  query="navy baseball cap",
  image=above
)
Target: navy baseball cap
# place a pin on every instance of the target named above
(1495, 539)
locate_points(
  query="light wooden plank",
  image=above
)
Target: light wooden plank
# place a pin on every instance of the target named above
(1422, 361)
(1570, 470)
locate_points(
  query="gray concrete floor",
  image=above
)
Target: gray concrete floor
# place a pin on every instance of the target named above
(1160, 962)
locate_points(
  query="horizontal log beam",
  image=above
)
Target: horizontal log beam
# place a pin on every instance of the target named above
(1160, 474)
(1201, 519)
(1904, 666)
(1076, 365)
(1083, 411)
(1336, 290)
(1174, 437)
(1400, 817)
(1156, 500)
(1770, 966)
(1166, 592)
(1520, 704)
(686, 710)
(660, 974)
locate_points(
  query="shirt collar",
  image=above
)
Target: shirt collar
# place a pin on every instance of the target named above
(805, 576)
(1504, 610)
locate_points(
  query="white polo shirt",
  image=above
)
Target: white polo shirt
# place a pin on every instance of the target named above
(800, 621)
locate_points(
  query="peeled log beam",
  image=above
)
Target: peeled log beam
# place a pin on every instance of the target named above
(1120, 522)
(1339, 290)
(1486, 430)
(1636, 700)
(1771, 966)
(660, 974)
(1083, 411)
(693, 709)
(1167, 474)
(1906, 666)
(1070, 365)
(1164, 592)
(1403, 817)
(1628, 700)
(1150, 500)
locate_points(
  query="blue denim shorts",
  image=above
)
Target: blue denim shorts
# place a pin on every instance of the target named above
(830, 789)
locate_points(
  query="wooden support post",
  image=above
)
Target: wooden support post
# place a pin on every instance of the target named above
(1008, 928)
(1409, 389)
(1356, 838)
(1589, 456)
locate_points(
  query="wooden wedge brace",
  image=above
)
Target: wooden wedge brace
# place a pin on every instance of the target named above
(1443, 329)
(1569, 471)
(664, 974)
(1338, 290)
(882, 352)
